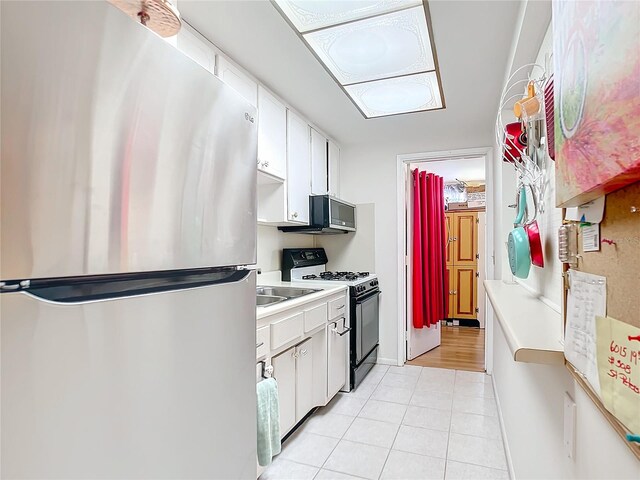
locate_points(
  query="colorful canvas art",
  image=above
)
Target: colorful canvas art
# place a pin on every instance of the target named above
(596, 54)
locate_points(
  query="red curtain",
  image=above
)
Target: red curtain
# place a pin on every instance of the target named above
(429, 249)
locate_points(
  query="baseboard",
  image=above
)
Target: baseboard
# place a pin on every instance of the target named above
(503, 431)
(387, 361)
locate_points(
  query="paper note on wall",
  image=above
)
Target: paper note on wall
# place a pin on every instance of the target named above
(587, 298)
(591, 212)
(619, 370)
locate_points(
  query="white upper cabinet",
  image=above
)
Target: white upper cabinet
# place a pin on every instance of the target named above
(196, 48)
(318, 163)
(298, 168)
(334, 169)
(272, 135)
(238, 80)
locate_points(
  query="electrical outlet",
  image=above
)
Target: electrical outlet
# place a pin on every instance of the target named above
(569, 426)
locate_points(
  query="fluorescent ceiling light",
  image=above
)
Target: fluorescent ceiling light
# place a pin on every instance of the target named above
(392, 96)
(380, 52)
(306, 15)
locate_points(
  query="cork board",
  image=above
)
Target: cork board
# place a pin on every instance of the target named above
(620, 263)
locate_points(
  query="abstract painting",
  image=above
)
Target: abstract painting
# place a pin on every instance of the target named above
(596, 53)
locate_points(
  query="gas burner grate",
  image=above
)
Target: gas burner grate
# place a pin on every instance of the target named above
(349, 276)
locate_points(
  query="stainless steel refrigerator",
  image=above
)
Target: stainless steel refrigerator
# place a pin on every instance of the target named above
(128, 221)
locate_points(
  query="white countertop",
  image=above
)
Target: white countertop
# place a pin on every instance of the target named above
(531, 327)
(325, 291)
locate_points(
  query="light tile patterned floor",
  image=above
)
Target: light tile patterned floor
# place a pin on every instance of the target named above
(401, 423)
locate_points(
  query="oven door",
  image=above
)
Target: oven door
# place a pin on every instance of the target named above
(367, 324)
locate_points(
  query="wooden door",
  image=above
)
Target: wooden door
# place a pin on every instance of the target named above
(451, 286)
(465, 292)
(465, 238)
(304, 378)
(284, 371)
(449, 218)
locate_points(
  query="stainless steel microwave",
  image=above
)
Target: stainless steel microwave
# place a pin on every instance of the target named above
(327, 215)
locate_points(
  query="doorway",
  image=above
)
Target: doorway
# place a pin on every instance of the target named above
(458, 341)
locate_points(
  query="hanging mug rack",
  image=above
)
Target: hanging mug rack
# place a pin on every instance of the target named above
(523, 143)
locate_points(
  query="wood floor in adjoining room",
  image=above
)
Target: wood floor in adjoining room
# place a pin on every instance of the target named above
(461, 348)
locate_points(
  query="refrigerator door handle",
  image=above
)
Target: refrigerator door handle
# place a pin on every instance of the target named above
(108, 287)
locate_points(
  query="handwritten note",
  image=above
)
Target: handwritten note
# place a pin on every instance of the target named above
(619, 370)
(587, 299)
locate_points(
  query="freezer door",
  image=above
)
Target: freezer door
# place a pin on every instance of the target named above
(152, 386)
(119, 153)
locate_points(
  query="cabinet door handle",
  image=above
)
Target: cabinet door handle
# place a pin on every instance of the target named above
(455, 292)
(303, 352)
(344, 332)
(258, 345)
(341, 306)
(265, 164)
(294, 214)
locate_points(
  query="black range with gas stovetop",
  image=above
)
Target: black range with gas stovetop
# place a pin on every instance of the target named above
(309, 265)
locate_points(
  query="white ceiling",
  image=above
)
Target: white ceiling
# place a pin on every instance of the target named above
(465, 169)
(472, 38)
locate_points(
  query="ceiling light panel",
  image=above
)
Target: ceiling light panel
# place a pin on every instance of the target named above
(380, 52)
(412, 93)
(374, 48)
(307, 15)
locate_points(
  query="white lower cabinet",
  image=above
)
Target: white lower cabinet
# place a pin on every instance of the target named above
(308, 355)
(336, 356)
(293, 370)
(284, 371)
(304, 378)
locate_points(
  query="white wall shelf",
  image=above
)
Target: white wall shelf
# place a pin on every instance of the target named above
(531, 328)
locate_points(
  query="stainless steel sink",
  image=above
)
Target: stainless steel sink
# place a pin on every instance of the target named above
(267, 300)
(286, 292)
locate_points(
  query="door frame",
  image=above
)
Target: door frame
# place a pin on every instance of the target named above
(402, 163)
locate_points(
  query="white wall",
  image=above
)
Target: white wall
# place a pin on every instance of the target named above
(531, 397)
(368, 175)
(531, 400)
(353, 251)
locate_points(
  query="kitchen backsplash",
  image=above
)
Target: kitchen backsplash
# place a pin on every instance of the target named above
(271, 241)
